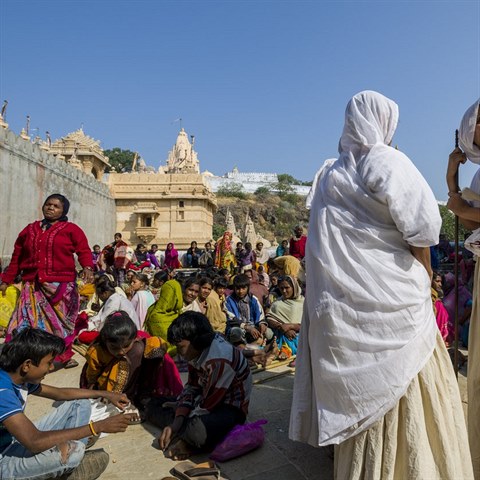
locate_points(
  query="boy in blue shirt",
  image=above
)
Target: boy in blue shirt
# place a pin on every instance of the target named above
(55, 445)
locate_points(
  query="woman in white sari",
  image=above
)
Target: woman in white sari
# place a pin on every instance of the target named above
(373, 374)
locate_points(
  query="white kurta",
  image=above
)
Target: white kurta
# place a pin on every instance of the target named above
(368, 325)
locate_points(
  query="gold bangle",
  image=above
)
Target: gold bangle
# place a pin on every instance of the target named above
(94, 433)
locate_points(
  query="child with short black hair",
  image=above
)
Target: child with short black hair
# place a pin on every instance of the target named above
(216, 395)
(54, 445)
(246, 321)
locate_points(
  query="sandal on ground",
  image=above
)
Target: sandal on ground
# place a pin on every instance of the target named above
(70, 364)
(188, 470)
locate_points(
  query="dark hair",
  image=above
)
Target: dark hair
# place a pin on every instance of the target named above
(189, 282)
(154, 245)
(29, 344)
(220, 282)
(104, 285)
(248, 245)
(118, 234)
(191, 326)
(241, 281)
(161, 276)
(65, 203)
(204, 280)
(143, 278)
(118, 329)
(286, 278)
(140, 245)
(96, 245)
(223, 271)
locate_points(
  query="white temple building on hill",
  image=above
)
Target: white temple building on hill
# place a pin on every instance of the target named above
(250, 181)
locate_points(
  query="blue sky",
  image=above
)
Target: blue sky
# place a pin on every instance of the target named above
(262, 85)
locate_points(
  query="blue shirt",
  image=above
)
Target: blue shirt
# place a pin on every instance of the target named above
(13, 399)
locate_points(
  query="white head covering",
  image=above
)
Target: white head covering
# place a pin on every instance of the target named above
(466, 133)
(370, 118)
(368, 326)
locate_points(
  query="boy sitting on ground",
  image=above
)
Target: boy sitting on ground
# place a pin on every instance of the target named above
(54, 445)
(215, 397)
(247, 328)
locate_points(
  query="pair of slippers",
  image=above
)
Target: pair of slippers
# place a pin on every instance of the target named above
(188, 470)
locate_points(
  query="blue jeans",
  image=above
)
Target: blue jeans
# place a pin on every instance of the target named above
(18, 463)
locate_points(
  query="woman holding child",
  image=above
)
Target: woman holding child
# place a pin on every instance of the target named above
(44, 254)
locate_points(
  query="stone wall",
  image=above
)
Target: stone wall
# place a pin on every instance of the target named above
(29, 174)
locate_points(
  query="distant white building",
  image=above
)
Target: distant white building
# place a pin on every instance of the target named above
(250, 181)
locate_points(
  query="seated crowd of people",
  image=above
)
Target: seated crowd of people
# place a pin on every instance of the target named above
(138, 328)
(215, 313)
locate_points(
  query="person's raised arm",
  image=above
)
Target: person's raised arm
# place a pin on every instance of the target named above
(454, 160)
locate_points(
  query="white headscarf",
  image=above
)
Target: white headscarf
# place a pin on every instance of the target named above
(466, 133)
(368, 325)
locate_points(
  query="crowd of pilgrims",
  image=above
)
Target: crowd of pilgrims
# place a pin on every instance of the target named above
(253, 300)
(370, 359)
(121, 311)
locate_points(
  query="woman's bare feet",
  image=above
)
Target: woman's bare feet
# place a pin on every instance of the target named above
(178, 450)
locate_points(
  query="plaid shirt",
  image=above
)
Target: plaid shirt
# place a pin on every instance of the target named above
(220, 375)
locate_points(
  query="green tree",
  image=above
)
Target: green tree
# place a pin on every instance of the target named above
(232, 190)
(448, 224)
(287, 179)
(121, 160)
(263, 192)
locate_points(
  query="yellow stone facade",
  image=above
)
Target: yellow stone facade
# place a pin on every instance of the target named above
(161, 208)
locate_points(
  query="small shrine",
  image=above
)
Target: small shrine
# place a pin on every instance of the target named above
(82, 152)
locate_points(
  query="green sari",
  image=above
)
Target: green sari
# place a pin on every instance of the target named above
(164, 311)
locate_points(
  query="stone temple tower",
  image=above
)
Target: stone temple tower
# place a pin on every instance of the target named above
(183, 158)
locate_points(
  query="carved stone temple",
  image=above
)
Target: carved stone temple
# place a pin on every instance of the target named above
(80, 151)
(174, 205)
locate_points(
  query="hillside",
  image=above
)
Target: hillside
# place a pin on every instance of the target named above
(274, 216)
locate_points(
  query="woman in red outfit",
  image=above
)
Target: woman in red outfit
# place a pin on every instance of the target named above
(44, 255)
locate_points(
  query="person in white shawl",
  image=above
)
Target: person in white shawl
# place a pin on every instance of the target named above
(469, 215)
(366, 376)
(113, 302)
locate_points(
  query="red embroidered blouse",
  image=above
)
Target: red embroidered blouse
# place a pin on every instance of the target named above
(48, 255)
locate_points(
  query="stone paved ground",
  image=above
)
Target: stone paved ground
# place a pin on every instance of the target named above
(134, 455)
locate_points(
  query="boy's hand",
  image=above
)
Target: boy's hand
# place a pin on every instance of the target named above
(120, 400)
(169, 432)
(165, 438)
(253, 332)
(115, 424)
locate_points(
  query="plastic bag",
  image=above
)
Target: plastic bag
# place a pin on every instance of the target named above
(241, 439)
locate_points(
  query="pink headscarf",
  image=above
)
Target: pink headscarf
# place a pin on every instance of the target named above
(171, 257)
